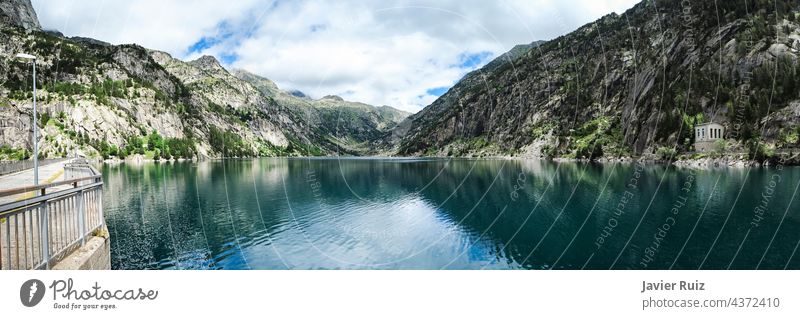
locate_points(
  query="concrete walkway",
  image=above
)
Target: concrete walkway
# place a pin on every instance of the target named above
(47, 174)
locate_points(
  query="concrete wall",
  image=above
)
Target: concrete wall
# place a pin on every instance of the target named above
(705, 146)
(95, 255)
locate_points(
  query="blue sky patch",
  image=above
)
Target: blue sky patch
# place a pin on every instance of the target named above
(203, 44)
(224, 31)
(438, 91)
(473, 60)
(318, 27)
(228, 58)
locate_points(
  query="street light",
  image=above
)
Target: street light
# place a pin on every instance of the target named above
(35, 125)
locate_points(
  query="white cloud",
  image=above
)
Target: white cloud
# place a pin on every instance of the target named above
(169, 25)
(381, 52)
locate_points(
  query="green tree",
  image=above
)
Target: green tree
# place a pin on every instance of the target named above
(155, 141)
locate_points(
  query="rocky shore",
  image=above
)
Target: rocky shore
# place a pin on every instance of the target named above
(733, 161)
(737, 162)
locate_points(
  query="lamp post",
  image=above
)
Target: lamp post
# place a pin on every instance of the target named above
(35, 125)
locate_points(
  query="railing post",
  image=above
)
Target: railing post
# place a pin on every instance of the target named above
(81, 217)
(8, 245)
(100, 204)
(99, 199)
(44, 232)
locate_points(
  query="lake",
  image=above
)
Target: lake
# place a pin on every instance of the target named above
(421, 213)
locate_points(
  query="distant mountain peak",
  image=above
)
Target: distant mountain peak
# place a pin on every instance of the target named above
(207, 63)
(298, 93)
(333, 97)
(264, 85)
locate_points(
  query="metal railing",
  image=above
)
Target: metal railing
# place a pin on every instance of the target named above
(39, 230)
(79, 167)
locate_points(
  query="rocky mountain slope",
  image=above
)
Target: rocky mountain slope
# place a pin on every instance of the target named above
(357, 128)
(124, 100)
(629, 84)
(625, 85)
(19, 13)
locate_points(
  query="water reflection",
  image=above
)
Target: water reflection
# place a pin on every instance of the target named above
(354, 213)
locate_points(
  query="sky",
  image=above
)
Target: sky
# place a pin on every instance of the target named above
(402, 53)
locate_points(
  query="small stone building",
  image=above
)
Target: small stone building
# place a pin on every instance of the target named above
(706, 134)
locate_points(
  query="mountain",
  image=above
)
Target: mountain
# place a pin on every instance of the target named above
(125, 100)
(512, 55)
(19, 13)
(628, 85)
(355, 128)
(625, 85)
(298, 93)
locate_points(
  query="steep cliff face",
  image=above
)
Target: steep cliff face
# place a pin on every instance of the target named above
(124, 100)
(627, 85)
(91, 96)
(19, 13)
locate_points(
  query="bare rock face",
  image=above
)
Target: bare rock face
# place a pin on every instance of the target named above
(208, 63)
(623, 85)
(19, 13)
(15, 125)
(99, 99)
(102, 98)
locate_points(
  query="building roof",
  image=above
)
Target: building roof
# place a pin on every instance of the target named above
(708, 123)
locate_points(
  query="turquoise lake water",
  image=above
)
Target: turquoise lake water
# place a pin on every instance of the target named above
(412, 213)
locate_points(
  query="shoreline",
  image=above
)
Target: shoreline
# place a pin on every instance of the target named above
(729, 161)
(701, 163)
